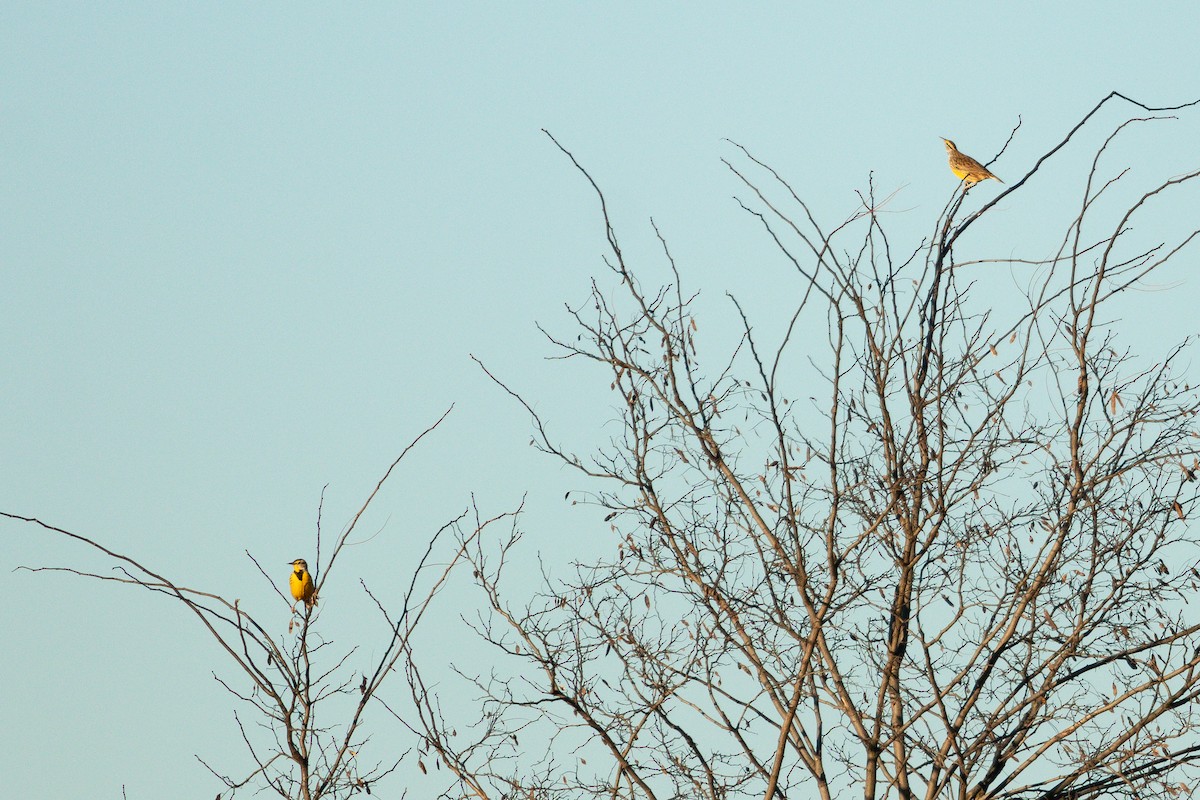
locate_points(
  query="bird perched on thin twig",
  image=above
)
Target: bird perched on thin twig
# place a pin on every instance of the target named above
(965, 168)
(302, 584)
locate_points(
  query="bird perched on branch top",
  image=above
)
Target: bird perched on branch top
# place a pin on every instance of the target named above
(966, 168)
(302, 584)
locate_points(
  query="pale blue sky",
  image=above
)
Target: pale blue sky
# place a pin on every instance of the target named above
(246, 249)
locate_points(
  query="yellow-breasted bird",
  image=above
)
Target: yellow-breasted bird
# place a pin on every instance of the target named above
(302, 584)
(966, 168)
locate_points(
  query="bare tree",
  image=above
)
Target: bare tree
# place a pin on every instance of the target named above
(300, 702)
(960, 571)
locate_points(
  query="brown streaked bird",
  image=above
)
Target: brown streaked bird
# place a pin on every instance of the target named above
(965, 168)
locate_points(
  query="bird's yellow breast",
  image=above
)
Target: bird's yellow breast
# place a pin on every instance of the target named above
(302, 586)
